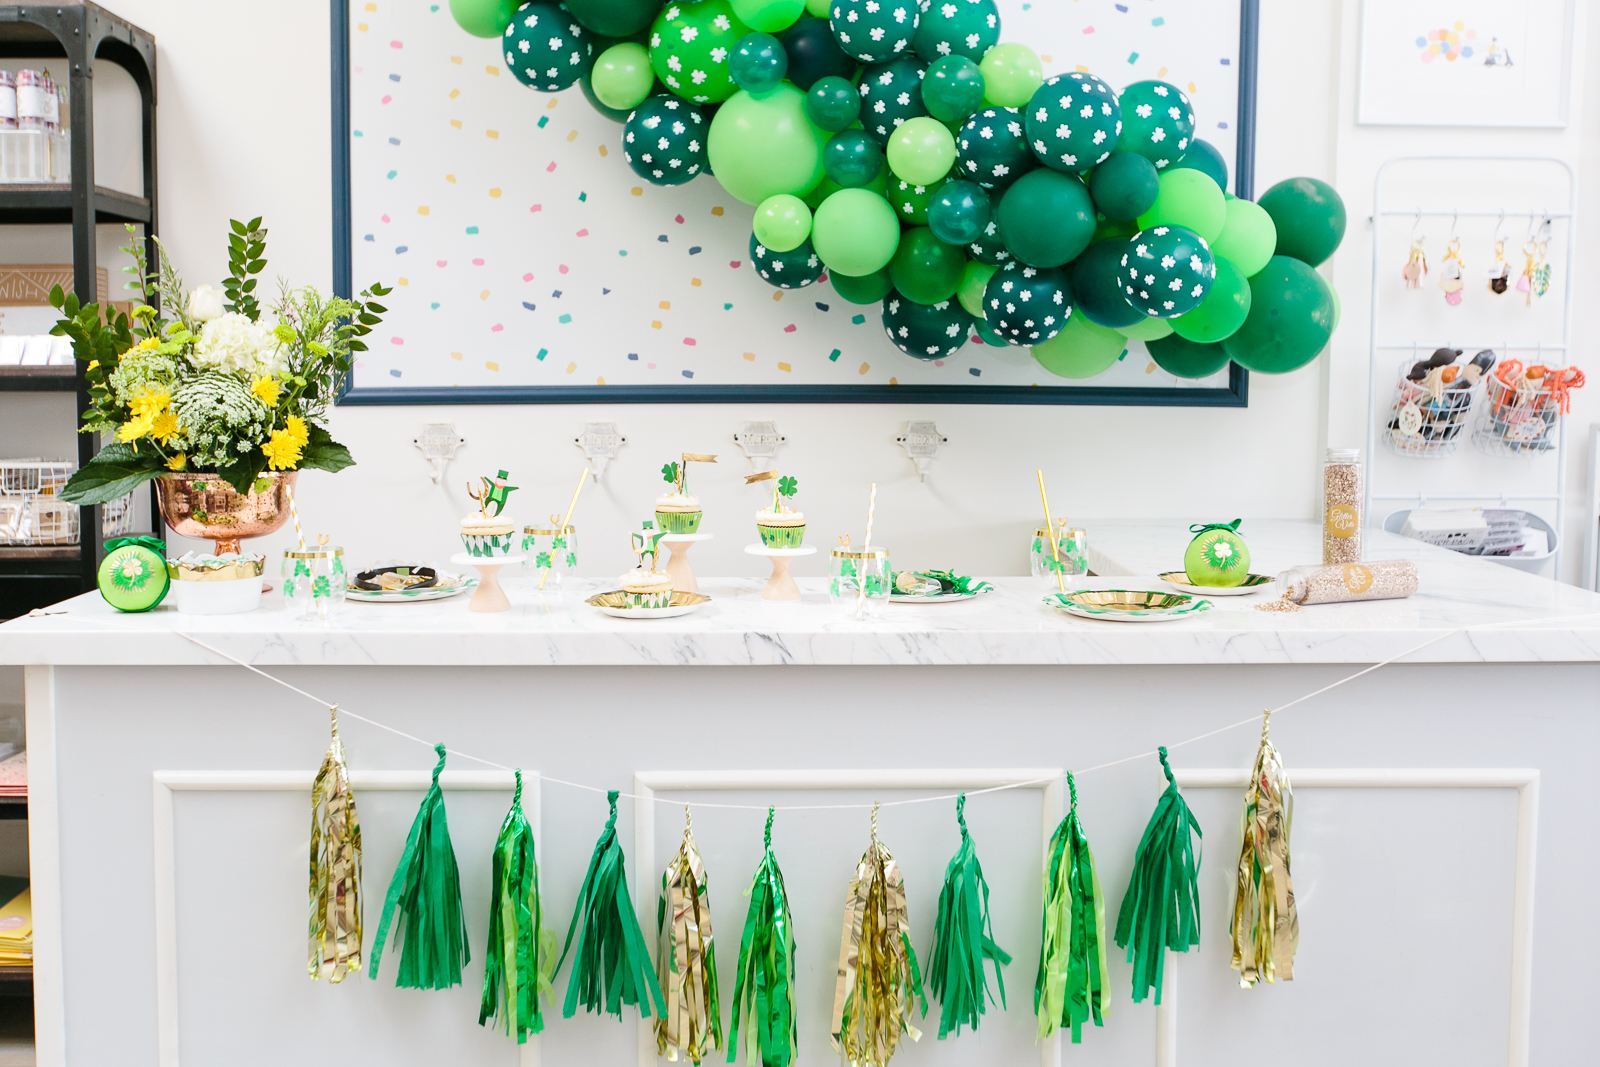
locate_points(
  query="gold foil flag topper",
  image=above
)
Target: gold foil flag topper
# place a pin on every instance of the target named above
(678, 473)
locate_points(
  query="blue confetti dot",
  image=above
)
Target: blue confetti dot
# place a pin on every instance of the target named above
(727, 307)
(821, 306)
(858, 319)
(565, 318)
(695, 251)
(1158, 22)
(356, 133)
(1133, 57)
(688, 374)
(394, 140)
(634, 356)
(394, 374)
(391, 174)
(1122, 8)
(396, 77)
(402, 248)
(529, 306)
(1222, 125)
(974, 371)
(604, 291)
(434, 306)
(367, 237)
(555, 294)
(542, 353)
(582, 197)
(662, 238)
(1226, 62)
(622, 251)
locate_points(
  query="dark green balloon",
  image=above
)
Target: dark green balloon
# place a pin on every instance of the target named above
(992, 148)
(1203, 156)
(924, 268)
(891, 93)
(910, 202)
(1292, 312)
(925, 331)
(1310, 218)
(833, 104)
(1046, 218)
(1157, 122)
(966, 28)
(868, 289)
(1073, 122)
(794, 269)
(1098, 288)
(989, 248)
(757, 63)
(1124, 186)
(952, 89)
(852, 158)
(1187, 359)
(874, 30)
(958, 212)
(813, 53)
(1026, 305)
(614, 18)
(545, 49)
(664, 140)
(987, 334)
(1166, 271)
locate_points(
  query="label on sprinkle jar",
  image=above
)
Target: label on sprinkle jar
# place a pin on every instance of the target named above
(1342, 521)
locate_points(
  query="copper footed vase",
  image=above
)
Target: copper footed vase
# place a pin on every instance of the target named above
(205, 506)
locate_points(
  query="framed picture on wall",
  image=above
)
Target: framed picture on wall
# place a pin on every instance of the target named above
(1465, 62)
(531, 264)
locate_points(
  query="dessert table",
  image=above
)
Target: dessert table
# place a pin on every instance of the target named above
(1443, 840)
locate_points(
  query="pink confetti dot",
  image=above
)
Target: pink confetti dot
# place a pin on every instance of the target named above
(477, 263)
(689, 341)
(528, 277)
(496, 328)
(938, 363)
(396, 44)
(789, 328)
(562, 268)
(397, 341)
(551, 167)
(386, 99)
(678, 219)
(441, 262)
(536, 207)
(385, 218)
(1088, 29)
(734, 263)
(652, 366)
(583, 233)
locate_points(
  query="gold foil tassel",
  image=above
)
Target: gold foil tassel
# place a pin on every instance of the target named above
(686, 959)
(335, 931)
(878, 975)
(1265, 928)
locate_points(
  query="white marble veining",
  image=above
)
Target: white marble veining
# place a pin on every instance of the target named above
(1504, 615)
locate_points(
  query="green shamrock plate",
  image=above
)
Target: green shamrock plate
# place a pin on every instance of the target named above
(1127, 605)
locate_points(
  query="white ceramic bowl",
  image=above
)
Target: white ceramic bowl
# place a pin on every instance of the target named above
(217, 598)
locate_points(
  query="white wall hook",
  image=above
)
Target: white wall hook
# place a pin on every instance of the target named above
(921, 440)
(438, 441)
(599, 441)
(760, 441)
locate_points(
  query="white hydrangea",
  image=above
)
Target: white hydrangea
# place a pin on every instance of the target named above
(232, 342)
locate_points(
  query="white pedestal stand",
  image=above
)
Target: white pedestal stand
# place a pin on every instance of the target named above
(678, 546)
(489, 595)
(780, 586)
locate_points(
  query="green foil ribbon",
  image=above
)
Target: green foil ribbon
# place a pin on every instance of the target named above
(1070, 987)
(1265, 926)
(519, 962)
(612, 966)
(963, 939)
(766, 986)
(686, 959)
(425, 892)
(335, 928)
(1161, 909)
(1201, 527)
(154, 544)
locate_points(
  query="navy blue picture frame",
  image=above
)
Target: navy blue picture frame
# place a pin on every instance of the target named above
(1235, 395)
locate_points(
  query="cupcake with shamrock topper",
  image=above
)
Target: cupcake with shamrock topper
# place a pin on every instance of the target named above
(779, 525)
(647, 587)
(485, 533)
(678, 512)
(1217, 557)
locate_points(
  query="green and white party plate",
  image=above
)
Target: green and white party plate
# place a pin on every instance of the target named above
(1127, 605)
(614, 603)
(447, 585)
(1253, 583)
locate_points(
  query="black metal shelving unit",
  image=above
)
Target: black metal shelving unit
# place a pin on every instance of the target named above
(83, 34)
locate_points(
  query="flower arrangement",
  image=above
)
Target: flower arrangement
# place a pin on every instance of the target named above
(209, 387)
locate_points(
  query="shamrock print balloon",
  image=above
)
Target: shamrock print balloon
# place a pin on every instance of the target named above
(992, 148)
(794, 269)
(989, 248)
(910, 202)
(925, 331)
(891, 93)
(1157, 122)
(1073, 121)
(957, 28)
(689, 47)
(873, 30)
(664, 140)
(1027, 305)
(545, 47)
(1167, 270)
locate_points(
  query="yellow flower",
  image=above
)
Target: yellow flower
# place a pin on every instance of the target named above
(93, 363)
(137, 427)
(266, 391)
(165, 426)
(178, 462)
(298, 431)
(151, 402)
(281, 451)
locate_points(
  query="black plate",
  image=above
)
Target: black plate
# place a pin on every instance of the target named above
(364, 580)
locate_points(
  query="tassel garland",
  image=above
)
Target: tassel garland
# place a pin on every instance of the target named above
(426, 892)
(1070, 987)
(878, 975)
(612, 965)
(519, 961)
(335, 932)
(1265, 928)
(686, 959)
(1161, 909)
(963, 938)
(765, 988)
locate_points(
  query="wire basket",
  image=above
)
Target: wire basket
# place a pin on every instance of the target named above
(37, 520)
(30, 477)
(116, 517)
(1439, 433)
(1513, 423)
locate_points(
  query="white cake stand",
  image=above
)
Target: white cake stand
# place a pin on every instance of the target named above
(489, 597)
(780, 586)
(678, 546)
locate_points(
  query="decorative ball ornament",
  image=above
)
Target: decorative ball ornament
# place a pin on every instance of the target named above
(925, 331)
(664, 140)
(1027, 305)
(1011, 74)
(1157, 122)
(1167, 271)
(873, 30)
(992, 148)
(794, 269)
(957, 28)
(989, 248)
(1074, 121)
(891, 94)
(1217, 557)
(1081, 350)
(1124, 186)
(1205, 157)
(768, 16)
(689, 48)
(545, 47)
(133, 577)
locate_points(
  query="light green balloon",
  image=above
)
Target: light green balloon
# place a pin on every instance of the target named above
(622, 76)
(855, 232)
(762, 147)
(1222, 312)
(1151, 329)
(782, 222)
(768, 16)
(1188, 198)
(1011, 73)
(819, 8)
(1248, 237)
(973, 282)
(921, 150)
(1081, 349)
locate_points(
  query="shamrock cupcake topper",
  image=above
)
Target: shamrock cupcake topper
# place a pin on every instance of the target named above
(678, 473)
(494, 491)
(783, 488)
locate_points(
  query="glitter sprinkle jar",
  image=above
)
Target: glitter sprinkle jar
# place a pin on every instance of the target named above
(1341, 506)
(1390, 579)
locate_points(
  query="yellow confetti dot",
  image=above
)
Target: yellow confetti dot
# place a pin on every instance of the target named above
(1082, 69)
(1150, 368)
(495, 192)
(599, 381)
(784, 367)
(372, 7)
(1191, 87)
(362, 26)
(454, 93)
(495, 71)
(573, 136)
(423, 210)
(493, 135)
(403, 281)
(636, 191)
(456, 123)
(716, 211)
(655, 324)
(1045, 59)
(456, 60)
(778, 295)
(492, 366)
(867, 366)
(749, 357)
(894, 381)
(694, 281)
(484, 295)
(571, 367)
(455, 355)
(551, 104)
(603, 152)
(1162, 73)
(451, 178)
(666, 305)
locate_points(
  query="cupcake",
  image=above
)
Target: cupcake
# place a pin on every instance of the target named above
(647, 588)
(484, 532)
(678, 512)
(779, 525)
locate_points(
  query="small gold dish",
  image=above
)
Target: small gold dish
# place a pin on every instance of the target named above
(618, 598)
(1251, 583)
(1128, 605)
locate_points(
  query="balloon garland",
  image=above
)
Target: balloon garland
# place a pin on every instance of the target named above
(892, 145)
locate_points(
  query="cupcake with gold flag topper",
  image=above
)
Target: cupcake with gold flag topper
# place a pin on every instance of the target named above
(779, 525)
(678, 512)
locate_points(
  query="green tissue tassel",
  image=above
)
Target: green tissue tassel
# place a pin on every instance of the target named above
(426, 889)
(963, 938)
(765, 990)
(1070, 987)
(520, 959)
(1161, 909)
(612, 966)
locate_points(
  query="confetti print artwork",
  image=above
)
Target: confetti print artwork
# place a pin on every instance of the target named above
(526, 253)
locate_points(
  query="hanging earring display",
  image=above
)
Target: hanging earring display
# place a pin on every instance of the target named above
(335, 868)
(878, 975)
(963, 939)
(1416, 267)
(1450, 270)
(1070, 987)
(1525, 279)
(686, 959)
(765, 989)
(1265, 927)
(1500, 270)
(1161, 909)
(1541, 272)
(519, 963)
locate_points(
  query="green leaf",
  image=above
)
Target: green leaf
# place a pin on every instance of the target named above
(323, 453)
(116, 471)
(242, 475)
(238, 227)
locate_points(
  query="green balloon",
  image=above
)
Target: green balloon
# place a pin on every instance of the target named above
(1157, 122)
(868, 289)
(910, 201)
(855, 232)
(833, 103)
(1046, 218)
(925, 269)
(1011, 73)
(968, 29)
(852, 159)
(874, 30)
(1223, 310)
(1151, 329)
(1080, 350)
(1167, 271)
(925, 331)
(891, 93)
(768, 16)
(483, 18)
(758, 63)
(1185, 358)
(819, 8)
(1190, 199)
(1109, 228)
(952, 89)
(622, 76)
(921, 151)
(828, 187)
(782, 222)
(989, 247)
(1203, 156)
(762, 147)
(974, 278)
(1248, 236)
(1124, 186)
(1073, 122)
(1097, 287)
(992, 148)
(544, 48)
(988, 335)
(689, 48)
(1291, 318)
(958, 212)
(1310, 218)
(794, 269)
(614, 18)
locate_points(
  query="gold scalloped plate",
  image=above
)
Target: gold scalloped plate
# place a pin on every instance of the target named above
(1127, 605)
(615, 602)
(1253, 583)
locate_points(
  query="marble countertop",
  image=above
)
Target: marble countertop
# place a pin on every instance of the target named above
(1502, 615)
